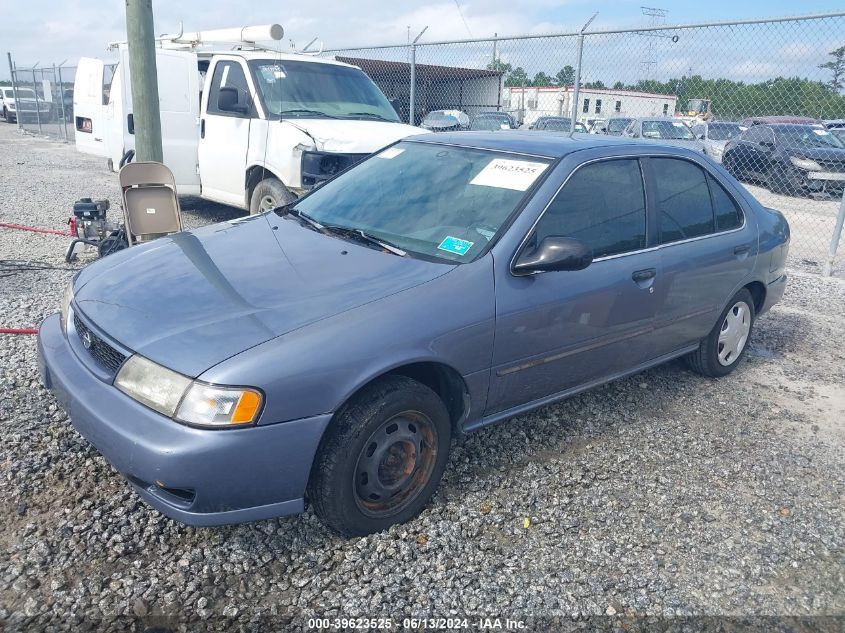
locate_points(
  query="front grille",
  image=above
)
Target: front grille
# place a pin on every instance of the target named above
(105, 355)
(832, 165)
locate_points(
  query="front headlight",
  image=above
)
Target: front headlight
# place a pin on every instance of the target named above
(209, 405)
(178, 397)
(66, 299)
(805, 163)
(151, 384)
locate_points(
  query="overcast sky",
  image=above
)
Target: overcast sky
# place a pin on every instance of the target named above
(50, 31)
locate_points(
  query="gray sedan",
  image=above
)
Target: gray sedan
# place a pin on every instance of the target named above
(330, 350)
(666, 130)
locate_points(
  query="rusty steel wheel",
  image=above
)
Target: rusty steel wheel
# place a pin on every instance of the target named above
(381, 457)
(395, 464)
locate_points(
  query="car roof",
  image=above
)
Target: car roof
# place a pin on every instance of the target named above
(551, 145)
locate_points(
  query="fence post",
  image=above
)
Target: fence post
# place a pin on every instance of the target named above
(12, 72)
(576, 87)
(413, 93)
(62, 97)
(37, 105)
(834, 240)
(412, 97)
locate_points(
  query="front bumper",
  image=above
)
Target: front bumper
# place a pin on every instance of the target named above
(197, 476)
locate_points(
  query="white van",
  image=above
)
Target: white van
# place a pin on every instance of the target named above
(252, 129)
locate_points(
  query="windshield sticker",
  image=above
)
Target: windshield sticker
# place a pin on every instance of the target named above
(455, 245)
(390, 152)
(509, 174)
(272, 73)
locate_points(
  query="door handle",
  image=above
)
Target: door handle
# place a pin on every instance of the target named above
(742, 250)
(202, 128)
(641, 276)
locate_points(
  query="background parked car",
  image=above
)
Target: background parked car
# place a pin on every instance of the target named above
(445, 121)
(715, 135)
(667, 131)
(789, 159)
(777, 120)
(837, 128)
(557, 124)
(617, 125)
(491, 121)
(598, 126)
(25, 105)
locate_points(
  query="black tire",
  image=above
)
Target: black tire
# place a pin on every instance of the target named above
(781, 180)
(361, 435)
(269, 194)
(706, 359)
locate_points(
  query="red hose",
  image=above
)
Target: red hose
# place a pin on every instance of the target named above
(18, 330)
(34, 229)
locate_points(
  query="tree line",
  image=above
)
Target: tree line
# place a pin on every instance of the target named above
(731, 100)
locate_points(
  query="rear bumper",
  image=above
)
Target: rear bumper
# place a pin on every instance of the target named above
(196, 476)
(774, 293)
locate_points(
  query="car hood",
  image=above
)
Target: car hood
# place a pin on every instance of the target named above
(818, 153)
(194, 299)
(353, 136)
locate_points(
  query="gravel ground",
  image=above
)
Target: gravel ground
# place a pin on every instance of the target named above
(663, 495)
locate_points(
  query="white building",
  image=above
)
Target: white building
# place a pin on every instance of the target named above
(529, 103)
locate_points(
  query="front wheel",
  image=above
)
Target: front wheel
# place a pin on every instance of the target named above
(382, 457)
(719, 353)
(782, 181)
(269, 194)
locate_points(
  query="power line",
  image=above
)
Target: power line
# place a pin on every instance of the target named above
(463, 19)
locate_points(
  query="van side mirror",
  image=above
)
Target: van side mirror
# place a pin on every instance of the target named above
(554, 254)
(231, 99)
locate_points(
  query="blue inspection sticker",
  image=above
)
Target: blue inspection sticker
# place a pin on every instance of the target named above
(455, 245)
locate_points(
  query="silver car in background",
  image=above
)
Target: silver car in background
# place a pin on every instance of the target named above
(715, 135)
(666, 130)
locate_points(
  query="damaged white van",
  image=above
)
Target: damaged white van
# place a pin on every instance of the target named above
(249, 128)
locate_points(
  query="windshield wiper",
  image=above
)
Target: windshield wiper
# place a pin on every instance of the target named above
(373, 115)
(305, 218)
(361, 235)
(306, 111)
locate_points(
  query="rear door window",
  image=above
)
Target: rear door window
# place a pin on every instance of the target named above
(611, 220)
(683, 201)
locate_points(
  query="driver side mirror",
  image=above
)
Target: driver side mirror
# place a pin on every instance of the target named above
(554, 254)
(231, 99)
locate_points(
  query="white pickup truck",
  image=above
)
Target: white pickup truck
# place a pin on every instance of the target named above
(23, 104)
(252, 129)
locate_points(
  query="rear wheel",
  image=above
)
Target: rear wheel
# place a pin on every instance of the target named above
(382, 458)
(269, 194)
(719, 353)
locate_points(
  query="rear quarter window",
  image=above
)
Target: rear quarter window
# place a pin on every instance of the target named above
(725, 209)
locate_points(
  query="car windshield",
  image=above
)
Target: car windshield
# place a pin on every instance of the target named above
(839, 132)
(292, 89)
(723, 131)
(669, 130)
(556, 125)
(487, 122)
(433, 201)
(617, 125)
(807, 136)
(23, 93)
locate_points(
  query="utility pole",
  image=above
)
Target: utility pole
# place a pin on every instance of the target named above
(142, 70)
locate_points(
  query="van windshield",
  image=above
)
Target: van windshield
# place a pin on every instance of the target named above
(433, 201)
(297, 89)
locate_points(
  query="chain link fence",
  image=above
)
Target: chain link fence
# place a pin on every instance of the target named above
(762, 97)
(40, 100)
